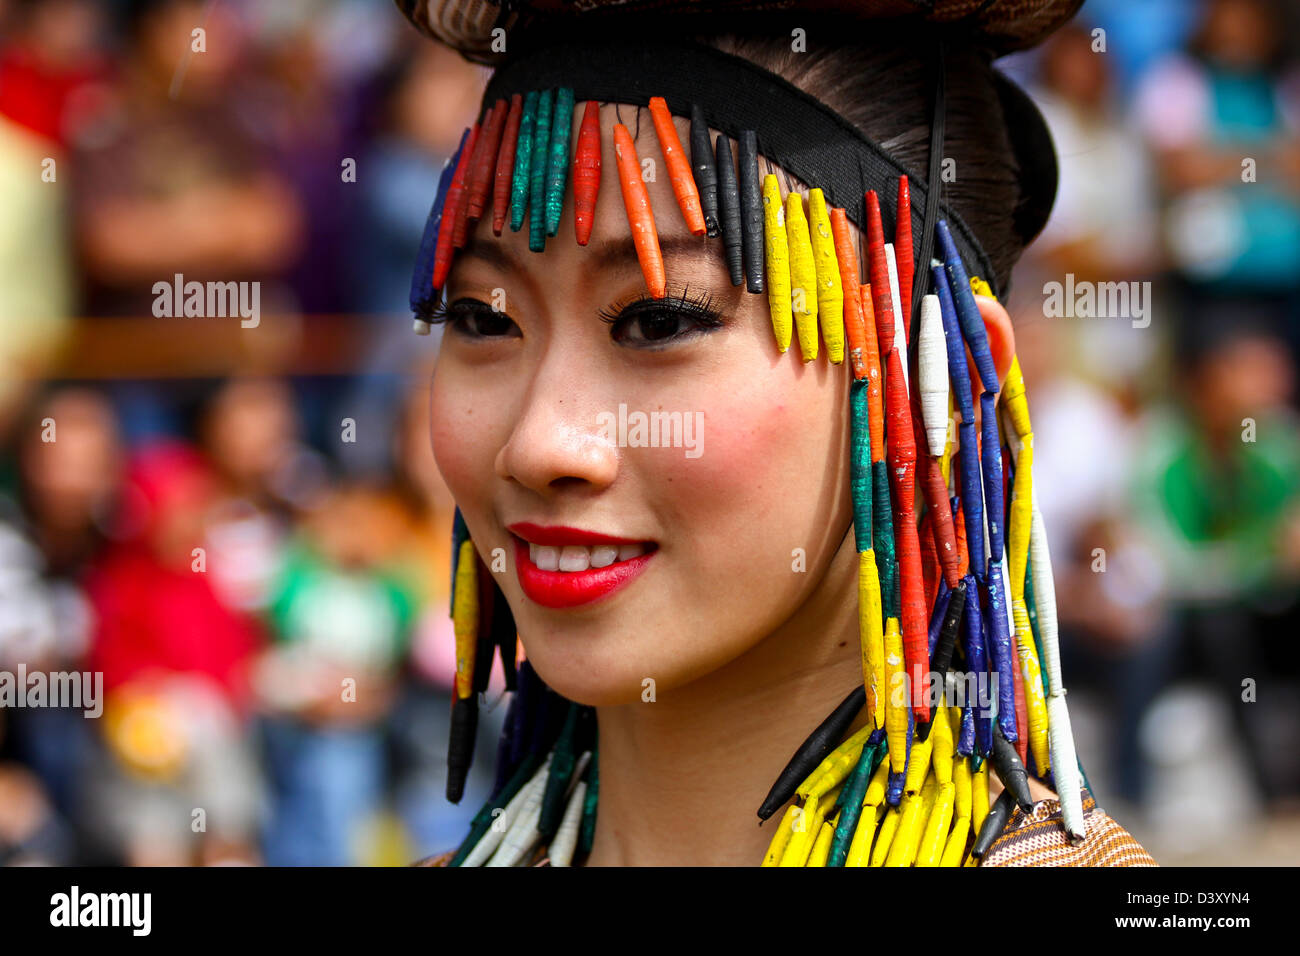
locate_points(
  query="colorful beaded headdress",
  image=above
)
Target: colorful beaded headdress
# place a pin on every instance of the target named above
(967, 582)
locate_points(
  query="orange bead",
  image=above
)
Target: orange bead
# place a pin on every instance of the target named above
(679, 167)
(640, 217)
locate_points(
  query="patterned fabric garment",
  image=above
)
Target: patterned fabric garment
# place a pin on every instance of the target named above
(1034, 839)
(1038, 839)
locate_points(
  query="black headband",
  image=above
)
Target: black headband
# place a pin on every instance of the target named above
(795, 130)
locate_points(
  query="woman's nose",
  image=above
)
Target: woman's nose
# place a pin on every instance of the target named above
(558, 440)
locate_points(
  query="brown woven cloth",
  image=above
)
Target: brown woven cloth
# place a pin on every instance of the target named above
(467, 25)
(438, 859)
(1034, 839)
(1038, 838)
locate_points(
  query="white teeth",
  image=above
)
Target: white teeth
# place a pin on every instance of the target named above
(545, 556)
(574, 557)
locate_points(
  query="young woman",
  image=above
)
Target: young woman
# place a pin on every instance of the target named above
(699, 437)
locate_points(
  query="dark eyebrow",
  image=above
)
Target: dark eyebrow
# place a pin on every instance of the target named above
(604, 254)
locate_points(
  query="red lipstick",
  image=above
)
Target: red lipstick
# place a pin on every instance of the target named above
(559, 535)
(565, 589)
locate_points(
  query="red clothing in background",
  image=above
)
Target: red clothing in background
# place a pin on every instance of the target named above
(44, 98)
(164, 615)
(153, 618)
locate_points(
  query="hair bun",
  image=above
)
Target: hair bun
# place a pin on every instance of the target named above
(468, 25)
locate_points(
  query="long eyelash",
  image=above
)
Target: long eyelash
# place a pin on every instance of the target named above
(700, 305)
(438, 313)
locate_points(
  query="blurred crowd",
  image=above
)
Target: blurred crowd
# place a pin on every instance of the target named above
(256, 557)
(255, 560)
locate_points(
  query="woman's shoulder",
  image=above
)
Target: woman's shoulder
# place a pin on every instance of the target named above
(1038, 838)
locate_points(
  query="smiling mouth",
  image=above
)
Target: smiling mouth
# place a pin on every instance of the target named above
(569, 575)
(572, 558)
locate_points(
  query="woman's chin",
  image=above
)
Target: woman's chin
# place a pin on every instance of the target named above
(601, 676)
(583, 686)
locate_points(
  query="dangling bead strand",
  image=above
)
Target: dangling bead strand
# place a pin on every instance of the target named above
(752, 213)
(679, 168)
(640, 217)
(586, 173)
(706, 172)
(506, 165)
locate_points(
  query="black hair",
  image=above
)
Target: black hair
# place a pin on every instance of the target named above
(882, 84)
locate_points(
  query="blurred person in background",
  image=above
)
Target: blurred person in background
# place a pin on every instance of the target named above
(1223, 122)
(341, 618)
(31, 830)
(1218, 498)
(178, 783)
(52, 74)
(1103, 223)
(249, 429)
(69, 457)
(1138, 34)
(180, 177)
(423, 99)
(53, 65)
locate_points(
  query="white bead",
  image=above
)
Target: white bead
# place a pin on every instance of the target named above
(488, 844)
(1065, 765)
(932, 369)
(521, 834)
(1060, 738)
(566, 838)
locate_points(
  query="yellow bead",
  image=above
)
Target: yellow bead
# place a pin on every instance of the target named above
(872, 636)
(934, 837)
(803, 276)
(896, 696)
(777, 262)
(465, 620)
(830, 293)
(888, 827)
(821, 850)
(941, 752)
(776, 849)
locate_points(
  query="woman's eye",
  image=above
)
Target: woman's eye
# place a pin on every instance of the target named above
(476, 319)
(655, 322)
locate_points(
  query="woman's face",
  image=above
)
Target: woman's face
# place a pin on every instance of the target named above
(740, 509)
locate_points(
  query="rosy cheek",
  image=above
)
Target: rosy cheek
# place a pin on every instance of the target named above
(740, 453)
(460, 446)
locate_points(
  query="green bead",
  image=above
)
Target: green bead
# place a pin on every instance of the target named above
(883, 535)
(563, 760)
(557, 173)
(860, 466)
(850, 800)
(523, 162)
(537, 173)
(1033, 626)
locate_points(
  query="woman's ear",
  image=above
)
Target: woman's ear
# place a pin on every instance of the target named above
(1002, 338)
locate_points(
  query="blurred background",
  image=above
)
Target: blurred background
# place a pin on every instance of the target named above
(1167, 449)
